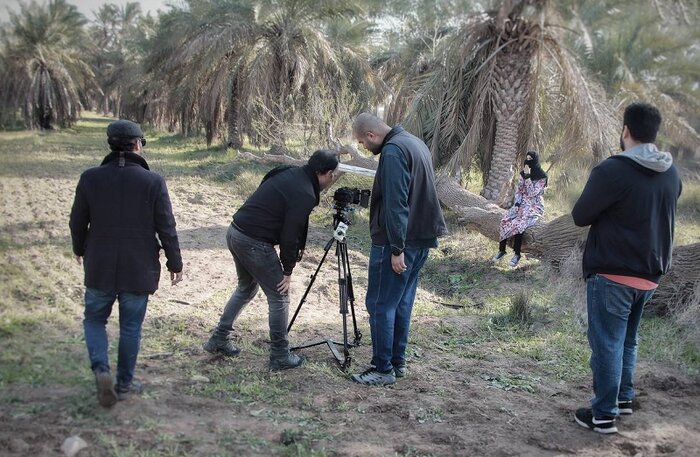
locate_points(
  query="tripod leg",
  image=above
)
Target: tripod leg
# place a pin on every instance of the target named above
(343, 283)
(311, 283)
(351, 298)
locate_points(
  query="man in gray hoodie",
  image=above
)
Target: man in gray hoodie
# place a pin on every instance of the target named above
(630, 203)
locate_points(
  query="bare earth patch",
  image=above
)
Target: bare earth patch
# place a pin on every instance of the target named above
(487, 402)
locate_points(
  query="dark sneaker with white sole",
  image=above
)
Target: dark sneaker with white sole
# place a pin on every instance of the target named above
(626, 408)
(514, 261)
(106, 395)
(372, 377)
(584, 417)
(499, 255)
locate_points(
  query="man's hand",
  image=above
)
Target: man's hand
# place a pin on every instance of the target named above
(175, 278)
(79, 259)
(285, 285)
(397, 264)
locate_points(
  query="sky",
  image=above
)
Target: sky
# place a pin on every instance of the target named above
(87, 6)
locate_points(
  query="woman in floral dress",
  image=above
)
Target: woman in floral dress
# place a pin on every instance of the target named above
(528, 207)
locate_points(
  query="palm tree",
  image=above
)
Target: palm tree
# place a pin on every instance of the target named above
(499, 80)
(647, 51)
(263, 66)
(43, 67)
(116, 57)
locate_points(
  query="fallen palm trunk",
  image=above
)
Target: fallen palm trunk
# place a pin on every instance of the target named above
(556, 240)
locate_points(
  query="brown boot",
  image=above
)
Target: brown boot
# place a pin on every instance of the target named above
(106, 395)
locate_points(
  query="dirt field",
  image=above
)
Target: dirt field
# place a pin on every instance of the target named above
(471, 389)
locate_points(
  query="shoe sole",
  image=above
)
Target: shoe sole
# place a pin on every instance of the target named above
(626, 412)
(106, 395)
(604, 431)
(359, 381)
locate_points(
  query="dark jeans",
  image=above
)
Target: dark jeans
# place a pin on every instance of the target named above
(614, 315)
(389, 303)
(517, 243)
(257, 266)
(132, 310)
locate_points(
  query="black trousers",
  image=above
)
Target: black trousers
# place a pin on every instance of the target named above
(517, 243)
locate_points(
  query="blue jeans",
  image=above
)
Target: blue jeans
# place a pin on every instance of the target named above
(132, 310)
(389, 303)
(614, 315)
(257, 266)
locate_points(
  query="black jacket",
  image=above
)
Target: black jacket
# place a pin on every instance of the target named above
(278, 212)
(405, 209)
(631, 210)
(116, 215)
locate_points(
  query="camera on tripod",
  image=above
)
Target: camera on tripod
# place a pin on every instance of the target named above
(346, 196)
(343, 198)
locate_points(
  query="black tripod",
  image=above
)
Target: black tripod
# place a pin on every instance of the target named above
(347, 295)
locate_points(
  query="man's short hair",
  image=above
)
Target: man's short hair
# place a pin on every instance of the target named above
(367, 122)
(323, 161)
(117, 144)
(643, 121)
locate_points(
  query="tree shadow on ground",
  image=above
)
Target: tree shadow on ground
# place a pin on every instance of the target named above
(202, 238)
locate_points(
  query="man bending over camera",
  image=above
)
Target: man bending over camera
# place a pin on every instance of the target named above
(276, 213)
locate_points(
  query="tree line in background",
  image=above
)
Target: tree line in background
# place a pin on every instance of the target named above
(480, 82)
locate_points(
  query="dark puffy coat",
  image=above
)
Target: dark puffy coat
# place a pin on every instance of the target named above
(116, 215)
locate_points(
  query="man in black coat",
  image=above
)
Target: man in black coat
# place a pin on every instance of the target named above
(118, 210)
(630, 203)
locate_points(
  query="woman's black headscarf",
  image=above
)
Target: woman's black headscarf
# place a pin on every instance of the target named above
(536, 171)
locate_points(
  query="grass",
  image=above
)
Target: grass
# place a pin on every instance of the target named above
(468, 317)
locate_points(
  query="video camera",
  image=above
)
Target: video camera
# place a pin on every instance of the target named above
(346, 196)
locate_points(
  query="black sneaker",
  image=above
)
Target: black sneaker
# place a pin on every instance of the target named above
(625, 407)
(106, 395)
(126, 392)
(584, 417)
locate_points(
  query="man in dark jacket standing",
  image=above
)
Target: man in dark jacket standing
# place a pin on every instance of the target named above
(405, 222)
(277, 213)
(118, 210)
(630, 203)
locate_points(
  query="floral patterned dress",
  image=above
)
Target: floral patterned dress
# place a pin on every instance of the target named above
(528, 207)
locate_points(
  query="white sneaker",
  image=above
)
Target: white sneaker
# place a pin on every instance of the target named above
(514, 260)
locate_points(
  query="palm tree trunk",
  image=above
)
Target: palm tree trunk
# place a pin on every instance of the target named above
(511, 86)
(556, 241)
(502, 170)
(233, 115)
